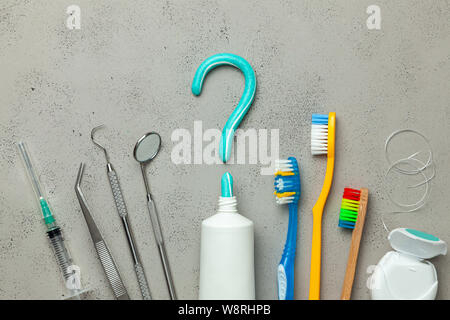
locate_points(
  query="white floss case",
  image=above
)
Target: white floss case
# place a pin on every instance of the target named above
(404, 274)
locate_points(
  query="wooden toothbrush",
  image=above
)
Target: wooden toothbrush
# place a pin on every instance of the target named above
(352, 216)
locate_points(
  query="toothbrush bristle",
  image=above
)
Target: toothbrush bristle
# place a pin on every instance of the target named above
(319, 134)
(349, 208)
(283, 165)
(287, 181)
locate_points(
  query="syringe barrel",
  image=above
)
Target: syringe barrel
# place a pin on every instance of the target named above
(70, 272)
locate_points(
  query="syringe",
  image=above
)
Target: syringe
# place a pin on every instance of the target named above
(70, 272)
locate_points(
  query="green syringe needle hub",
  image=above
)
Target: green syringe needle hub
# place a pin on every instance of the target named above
(48, 217)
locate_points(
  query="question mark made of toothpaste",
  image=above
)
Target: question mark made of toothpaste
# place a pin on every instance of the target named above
(244, 104)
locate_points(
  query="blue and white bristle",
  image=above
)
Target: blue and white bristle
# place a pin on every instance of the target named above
(287, 181)
(319, 134)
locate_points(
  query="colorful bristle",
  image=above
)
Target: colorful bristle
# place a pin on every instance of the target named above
(319, 134)
(349, 208)
(287, 181)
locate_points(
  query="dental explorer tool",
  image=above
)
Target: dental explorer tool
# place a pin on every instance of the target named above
(104, 254)
(145, 150)
(69, 270)
(122, 210)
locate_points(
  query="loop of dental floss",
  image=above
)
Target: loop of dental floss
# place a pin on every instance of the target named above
(419, 169)
(400, 170)
(417, 204)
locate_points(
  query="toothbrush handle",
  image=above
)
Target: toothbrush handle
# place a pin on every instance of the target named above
(316, 246)
(285, 274)
(316, 251)
(285, 279)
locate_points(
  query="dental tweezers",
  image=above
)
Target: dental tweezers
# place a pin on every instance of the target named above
(104, 254)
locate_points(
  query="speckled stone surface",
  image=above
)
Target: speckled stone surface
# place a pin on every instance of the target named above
(131, 66)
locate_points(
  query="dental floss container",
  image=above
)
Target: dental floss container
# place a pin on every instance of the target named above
(404, 274)
(227, 251)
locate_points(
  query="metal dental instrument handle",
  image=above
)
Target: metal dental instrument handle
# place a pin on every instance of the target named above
(158, 236)
(122, 210)
(104, 254)
(145, 150)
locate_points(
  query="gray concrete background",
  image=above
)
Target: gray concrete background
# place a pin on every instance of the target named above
(131, 66)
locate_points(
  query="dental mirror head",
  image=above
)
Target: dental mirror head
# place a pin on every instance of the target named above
(147, 147)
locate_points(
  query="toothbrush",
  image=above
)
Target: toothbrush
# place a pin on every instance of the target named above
(287, 190)
(352, 216)
(322, 142)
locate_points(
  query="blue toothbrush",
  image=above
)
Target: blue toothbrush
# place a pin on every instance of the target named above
(287, 190)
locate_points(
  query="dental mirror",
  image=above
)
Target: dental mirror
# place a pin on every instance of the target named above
(145, 150)
(147, 147)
